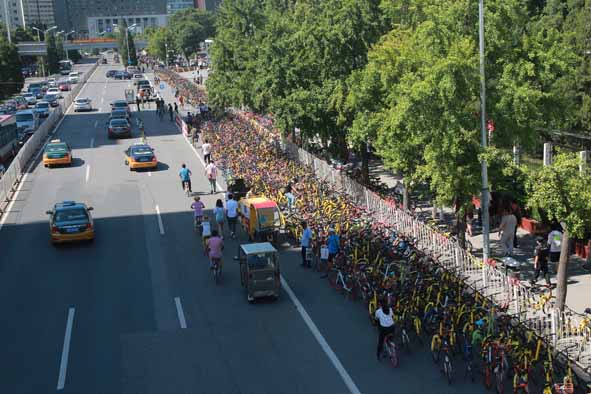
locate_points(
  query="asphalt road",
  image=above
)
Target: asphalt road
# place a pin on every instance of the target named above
(126, 294)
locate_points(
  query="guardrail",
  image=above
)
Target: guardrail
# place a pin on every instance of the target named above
(15, 172)
(568, 331)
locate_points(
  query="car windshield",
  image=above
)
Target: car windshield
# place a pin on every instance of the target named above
(69, 215)
(49, 97)
(141, 150)
(24, 117)
(81, 101)
(118, 122)
(42, 105)
(52, 148)
(121, 104)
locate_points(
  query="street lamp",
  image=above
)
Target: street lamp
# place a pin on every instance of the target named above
(39, 39)
(127, 40)
(66, 39)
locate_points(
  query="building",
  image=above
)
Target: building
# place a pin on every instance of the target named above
(173, 6)
(209, 5)
(99, 24)
(38, 13)
(86, 16)
(11, 13)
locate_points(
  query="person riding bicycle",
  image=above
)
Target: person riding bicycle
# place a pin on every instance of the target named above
(478, 335)
(185, 175)
(215, 245)
(385, 317)
(197, 206)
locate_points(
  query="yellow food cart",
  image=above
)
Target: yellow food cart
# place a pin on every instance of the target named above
(260, 218)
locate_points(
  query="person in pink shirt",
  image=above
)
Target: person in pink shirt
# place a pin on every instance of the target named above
(215, 245)
(197, 207)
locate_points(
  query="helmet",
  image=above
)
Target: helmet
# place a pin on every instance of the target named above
(480, 323)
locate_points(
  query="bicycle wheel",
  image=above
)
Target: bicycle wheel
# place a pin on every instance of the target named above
(332, 278)
(499, 382)
(487, 377)
(447, 369)
(392, 353)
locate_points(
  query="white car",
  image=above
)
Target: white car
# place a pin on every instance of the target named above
(82, 104)
(30, 98)
(55, 91)
(74, 77)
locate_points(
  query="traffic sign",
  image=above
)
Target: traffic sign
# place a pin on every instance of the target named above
(108, 29)
(161, 85)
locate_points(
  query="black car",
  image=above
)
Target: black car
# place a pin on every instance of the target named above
(111, 73)
(122, 75)
(52, 99)
(119, 128)
(119, 114)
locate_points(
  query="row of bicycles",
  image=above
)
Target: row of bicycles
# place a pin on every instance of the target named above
(469, 337)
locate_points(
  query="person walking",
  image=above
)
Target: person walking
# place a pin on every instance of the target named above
(333, 244)
(182, 101)
(176, 108)
(306, 243)
(206, 147)
(541, 262)
(555, 243)
(517, 213)
(232, 214)
(211, 171)
(137, 103)
(170, 112)
(218, 214)
(507, 232)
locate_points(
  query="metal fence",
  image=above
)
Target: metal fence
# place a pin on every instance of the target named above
(568, 331)
(14, 173)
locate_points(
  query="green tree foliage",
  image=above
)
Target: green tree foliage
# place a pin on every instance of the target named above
(11, 77)
(53, 57)
(59, 45)
(189, 28)
(158, 40)
(565, 195)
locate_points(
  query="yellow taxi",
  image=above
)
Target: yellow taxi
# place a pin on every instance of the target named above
(70, 221)
(140, 155)
(57, 152)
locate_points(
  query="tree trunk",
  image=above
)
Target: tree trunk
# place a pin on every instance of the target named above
(364, 164)
(562, 276)
(461, 228)
(433, 210)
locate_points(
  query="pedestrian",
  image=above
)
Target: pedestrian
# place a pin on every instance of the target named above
(517, 212)
(306, 243)
(232, 214)
(211, 171)
(170, 112)
(182, 101)
(469, 219)
(555, 243)
(507, 231)
(138, 102)
(194, 136)
(189, 119)
(290, 199)
(218, 213)
(541, 262)
(333, 244)
(206, 151)
(176, 108)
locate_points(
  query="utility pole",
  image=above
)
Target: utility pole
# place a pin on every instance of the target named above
(484, 203)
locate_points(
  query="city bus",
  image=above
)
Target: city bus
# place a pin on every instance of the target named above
(65, 67)
(8, 137)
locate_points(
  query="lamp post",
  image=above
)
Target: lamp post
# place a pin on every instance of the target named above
(39, 39)
(483, 135)
(127, 40)
(66, 39)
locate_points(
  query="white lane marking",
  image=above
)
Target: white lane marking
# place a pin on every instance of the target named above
(201, 160)
(102, 100)
(61, 380)
(92, 142)
(149, 173)
(87, 173)
(160, 225)
(95, 123)
(180, 313)
(323, 344)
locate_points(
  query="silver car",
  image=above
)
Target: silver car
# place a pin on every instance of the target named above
(82, 104)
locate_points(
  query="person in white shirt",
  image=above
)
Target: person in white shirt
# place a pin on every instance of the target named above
(555, 243)
(385, 317)
(206, 151)
(211, 171)
(507, 230)
(232, 214)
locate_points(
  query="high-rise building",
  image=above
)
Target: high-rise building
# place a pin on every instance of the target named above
(87, 16)
(11, 13)
(173, 6)
(38, 12)
(209, 5)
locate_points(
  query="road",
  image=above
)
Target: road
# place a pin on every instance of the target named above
(119, 304)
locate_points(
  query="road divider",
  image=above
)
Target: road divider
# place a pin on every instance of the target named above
(87, 173)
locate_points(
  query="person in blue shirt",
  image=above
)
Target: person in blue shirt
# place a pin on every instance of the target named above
(306, 243)
(333, 243)
(185, 175)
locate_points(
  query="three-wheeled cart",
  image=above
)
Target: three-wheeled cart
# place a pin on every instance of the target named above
(259, 270)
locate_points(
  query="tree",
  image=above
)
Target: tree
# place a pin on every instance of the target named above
(52, 54)
(11, 77)
(158, 41)
(565, 194)
(59, 45)
(189, 28)
(125, 42)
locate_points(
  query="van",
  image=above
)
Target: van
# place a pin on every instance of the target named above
(26, 120)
